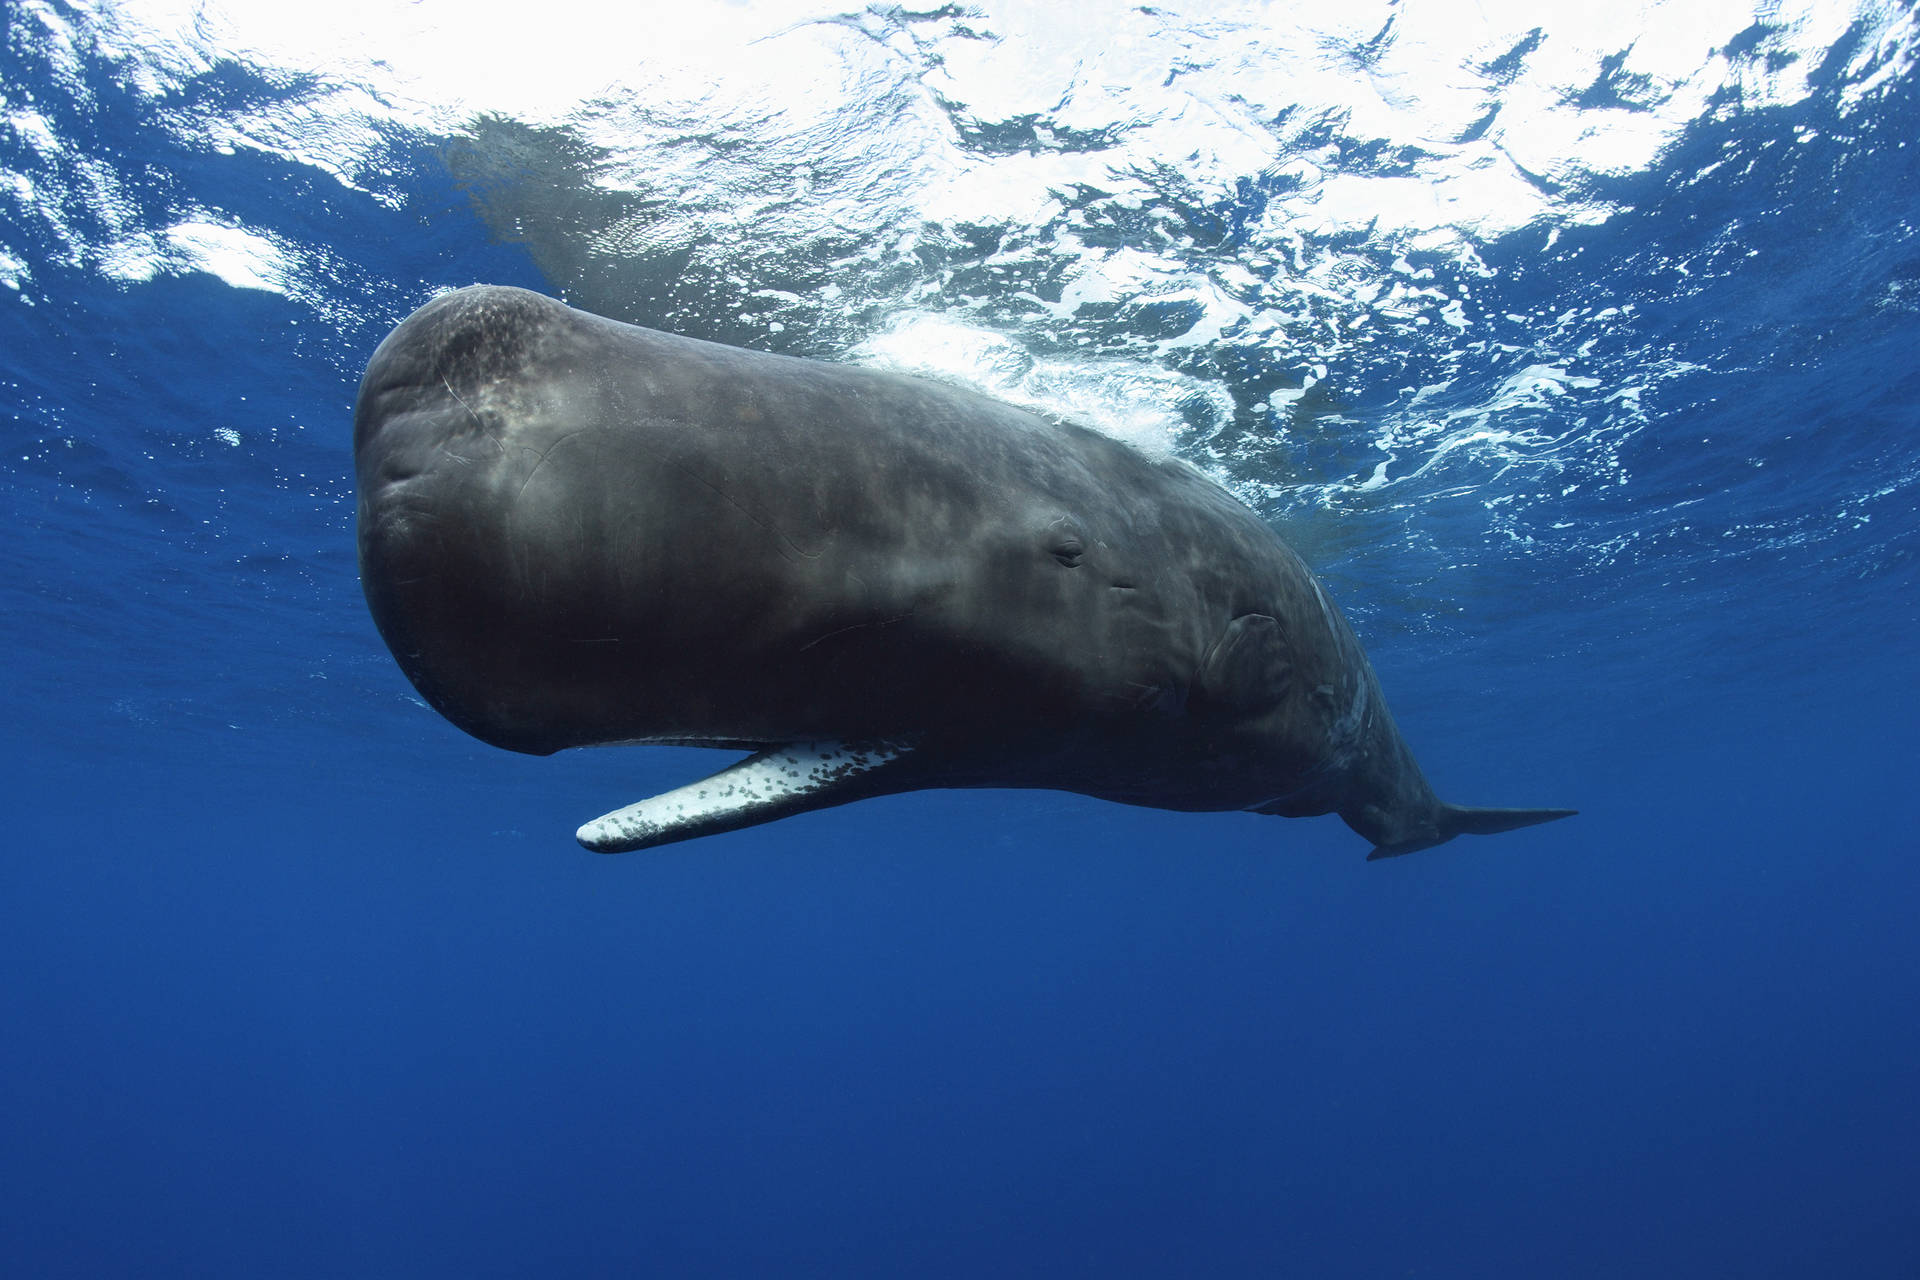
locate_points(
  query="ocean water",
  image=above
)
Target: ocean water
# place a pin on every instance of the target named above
(1577, 353)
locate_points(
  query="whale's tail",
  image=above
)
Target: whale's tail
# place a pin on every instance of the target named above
(1450, 820)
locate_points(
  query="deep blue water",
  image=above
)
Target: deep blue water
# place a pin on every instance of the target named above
(299, 981)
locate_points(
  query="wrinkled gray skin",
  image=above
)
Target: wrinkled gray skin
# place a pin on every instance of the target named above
(577, 532)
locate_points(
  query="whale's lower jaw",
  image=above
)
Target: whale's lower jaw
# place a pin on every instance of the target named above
(768, 785)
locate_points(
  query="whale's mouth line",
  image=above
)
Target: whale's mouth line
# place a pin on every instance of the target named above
(865, 625)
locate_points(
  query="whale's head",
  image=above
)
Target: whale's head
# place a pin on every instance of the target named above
(452, 420)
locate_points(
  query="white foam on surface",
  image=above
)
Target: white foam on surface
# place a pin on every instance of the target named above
(1228, 230)
(1225, 97)
(243, 259)
(1141, 404)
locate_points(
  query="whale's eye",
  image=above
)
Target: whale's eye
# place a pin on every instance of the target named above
(1068, 551)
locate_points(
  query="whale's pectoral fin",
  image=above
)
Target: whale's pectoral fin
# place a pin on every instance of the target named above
(777, 783)
(1460, 820)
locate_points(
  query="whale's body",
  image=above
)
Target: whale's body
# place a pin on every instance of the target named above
(576, 532)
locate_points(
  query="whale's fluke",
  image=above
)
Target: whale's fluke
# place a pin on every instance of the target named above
(1463, 820)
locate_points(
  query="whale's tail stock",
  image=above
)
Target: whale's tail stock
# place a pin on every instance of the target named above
(1450, 820)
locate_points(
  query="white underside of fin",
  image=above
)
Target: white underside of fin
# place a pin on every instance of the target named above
(772, 784)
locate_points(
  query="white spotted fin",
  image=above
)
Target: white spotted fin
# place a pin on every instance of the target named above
(776, 783)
